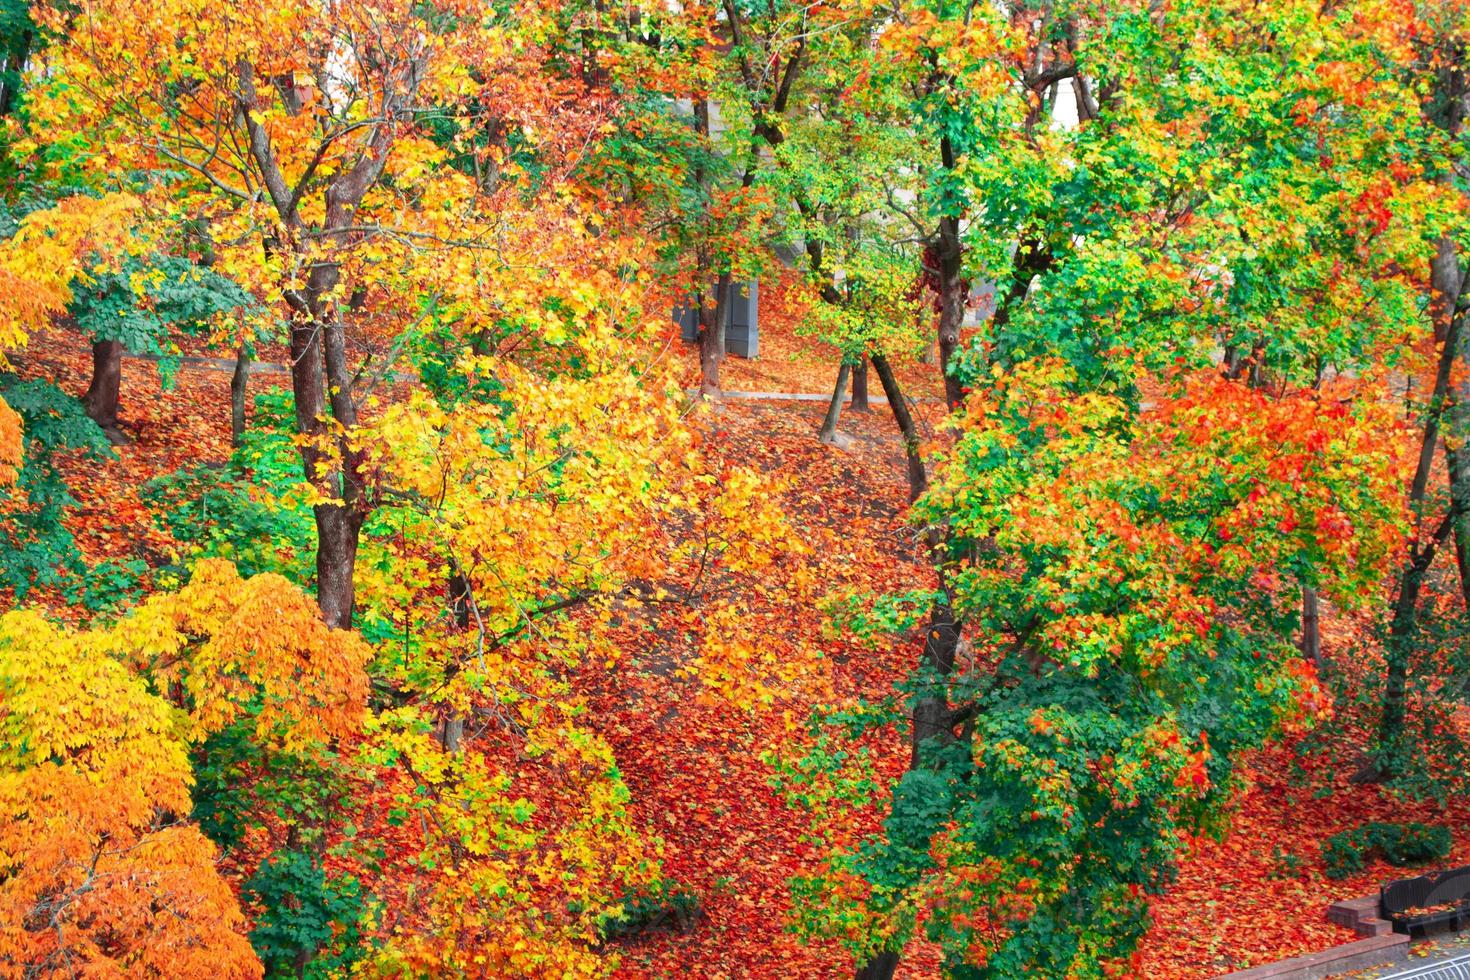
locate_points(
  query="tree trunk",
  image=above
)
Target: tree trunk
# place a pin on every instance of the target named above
(1404, 627)
(712, 338)
(828, 434)
(237, 396)
(1459, 461)
(880, 967)
(931, 709)
(1447, 303)
(102, 395)
(451, 733)
(1399, 648)
(338, 527)
(859, 401)
(918, 478)
(330, 462)
(711, 315)
(953, 293)
(1311, 627)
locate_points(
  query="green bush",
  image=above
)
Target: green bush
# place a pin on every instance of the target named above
(663, 903)
(36, 549)
(310, 925)
(1399, 844)
(243, 511)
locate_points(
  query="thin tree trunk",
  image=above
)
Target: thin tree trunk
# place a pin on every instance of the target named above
(101, 399)
(237, 396)
(1459, 467)
(918, 477)
(711, 315)
(1404, 627)
(828, 433)
(1402, 631)
(1449, 308)
(451, 731)
(712, 338)
(1311, 626)
(953, 293)
(859, 401)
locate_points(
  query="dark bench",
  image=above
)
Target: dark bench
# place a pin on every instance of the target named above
(1447, 888)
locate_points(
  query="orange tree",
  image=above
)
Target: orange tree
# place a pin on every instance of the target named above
(102, 867)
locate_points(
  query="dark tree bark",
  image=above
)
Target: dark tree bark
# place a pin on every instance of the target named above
(321, 380)
(1459, 473)
(931, 710)
(880, 967)
(14, 53)
(828, 433)
(1450, 305)
(1403, 630)
(1404, 627)
(101, 399)
(1311, 626)
(238, 382)
(918, 476)
(954, 292)
(712, 338)
(859, 401)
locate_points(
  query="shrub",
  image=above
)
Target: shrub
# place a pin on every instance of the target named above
(662, 903)
(310, 925)
(1399, 844)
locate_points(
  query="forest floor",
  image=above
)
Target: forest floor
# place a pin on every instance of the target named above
(1257, 894)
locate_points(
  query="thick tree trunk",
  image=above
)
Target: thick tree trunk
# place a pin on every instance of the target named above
(880, 967)
(828, 434)
(101, 399)
(238, 382)
(918, 477)
(338, 527)
(329, 461)
(859, 401)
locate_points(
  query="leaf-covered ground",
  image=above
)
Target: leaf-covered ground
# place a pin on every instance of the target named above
(694, 766)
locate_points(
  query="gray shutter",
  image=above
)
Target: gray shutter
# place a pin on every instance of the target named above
(742, 336)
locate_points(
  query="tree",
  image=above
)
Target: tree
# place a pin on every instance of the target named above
(1128, 577)
(39, 263)
(133, 309)
(319, 189)
(1443, 416)
(1122, 247)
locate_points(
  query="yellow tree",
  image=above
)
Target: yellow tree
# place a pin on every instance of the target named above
(318, 138)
